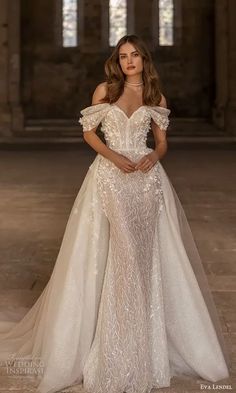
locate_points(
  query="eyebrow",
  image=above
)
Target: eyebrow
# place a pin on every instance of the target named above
(126, 53)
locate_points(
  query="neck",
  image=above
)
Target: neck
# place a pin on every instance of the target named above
(134, 80)
(133, 84)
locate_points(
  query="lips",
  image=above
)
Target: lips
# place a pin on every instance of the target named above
(130, 68)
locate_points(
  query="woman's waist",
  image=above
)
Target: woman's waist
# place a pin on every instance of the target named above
(134, 154)
(131, 149)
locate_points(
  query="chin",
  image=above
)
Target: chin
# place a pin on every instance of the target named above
(131, 72)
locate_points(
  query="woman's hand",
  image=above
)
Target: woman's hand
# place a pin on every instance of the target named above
(147, 162)
(123, 163)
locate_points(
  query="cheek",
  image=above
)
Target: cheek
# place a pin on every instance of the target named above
(140, 63)
(122, 65)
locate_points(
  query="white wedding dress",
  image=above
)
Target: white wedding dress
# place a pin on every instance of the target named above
(128, 304)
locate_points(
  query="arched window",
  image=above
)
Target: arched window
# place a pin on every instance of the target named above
(69, 23)
(166, 22)
(117, 20)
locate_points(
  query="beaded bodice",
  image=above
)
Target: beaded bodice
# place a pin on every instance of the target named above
(120, 131)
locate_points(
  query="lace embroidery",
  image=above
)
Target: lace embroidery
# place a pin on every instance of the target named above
(129, 314)
(132, 202)
(95, 114)
(161, 119)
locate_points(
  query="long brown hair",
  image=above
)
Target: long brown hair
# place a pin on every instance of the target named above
(115, 77)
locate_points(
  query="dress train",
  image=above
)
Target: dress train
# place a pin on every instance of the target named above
(63, 328)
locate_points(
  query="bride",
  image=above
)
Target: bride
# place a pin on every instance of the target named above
(128, 305)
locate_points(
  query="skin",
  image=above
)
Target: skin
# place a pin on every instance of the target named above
(128, 56)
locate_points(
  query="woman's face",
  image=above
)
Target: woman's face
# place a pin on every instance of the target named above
(130, 60)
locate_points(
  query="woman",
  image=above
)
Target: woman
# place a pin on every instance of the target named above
(128, 304)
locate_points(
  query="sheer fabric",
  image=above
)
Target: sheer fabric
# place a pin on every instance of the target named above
(128, 305)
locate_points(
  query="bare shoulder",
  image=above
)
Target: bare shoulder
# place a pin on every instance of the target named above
(163, 102)
(99, 93)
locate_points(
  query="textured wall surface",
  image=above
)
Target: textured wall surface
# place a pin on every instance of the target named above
(57, 81)
(40, 80)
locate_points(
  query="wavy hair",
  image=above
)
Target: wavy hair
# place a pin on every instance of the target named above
(115, 77)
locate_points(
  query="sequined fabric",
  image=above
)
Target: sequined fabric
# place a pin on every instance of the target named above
(130, 331)
(127, 305)
(139, 342)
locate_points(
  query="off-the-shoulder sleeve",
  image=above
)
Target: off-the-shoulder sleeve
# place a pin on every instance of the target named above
(160, 116)
(93, 115)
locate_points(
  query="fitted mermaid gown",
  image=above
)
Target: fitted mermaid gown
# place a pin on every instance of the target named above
(128, 304)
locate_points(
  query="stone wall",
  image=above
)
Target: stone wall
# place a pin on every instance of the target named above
(57, 81)
(39, 79)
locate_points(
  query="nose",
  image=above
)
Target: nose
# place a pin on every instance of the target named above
(129, 59)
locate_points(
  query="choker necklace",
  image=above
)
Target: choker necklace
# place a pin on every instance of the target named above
(134, 84)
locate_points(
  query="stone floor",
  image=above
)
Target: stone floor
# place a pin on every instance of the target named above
(37, 190)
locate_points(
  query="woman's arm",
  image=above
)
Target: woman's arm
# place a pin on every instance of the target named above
(90, 136)
(95, 142)
(160, 135)
(147, 162)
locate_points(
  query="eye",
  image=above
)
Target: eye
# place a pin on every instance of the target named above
(136, 54)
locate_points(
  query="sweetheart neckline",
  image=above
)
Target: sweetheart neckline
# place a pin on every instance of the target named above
(122, 111)
(160, 109)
